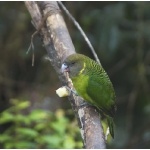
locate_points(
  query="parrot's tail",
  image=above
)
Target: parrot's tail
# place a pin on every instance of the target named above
(111, 125)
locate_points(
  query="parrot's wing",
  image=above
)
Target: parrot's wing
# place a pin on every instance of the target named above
(101, 91)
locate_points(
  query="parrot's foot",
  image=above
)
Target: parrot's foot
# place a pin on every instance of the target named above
(71, 91)
(85, 104)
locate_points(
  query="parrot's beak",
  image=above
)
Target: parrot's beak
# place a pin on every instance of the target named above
(64, 68)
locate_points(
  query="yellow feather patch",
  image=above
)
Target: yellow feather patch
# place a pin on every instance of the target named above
(84, 65)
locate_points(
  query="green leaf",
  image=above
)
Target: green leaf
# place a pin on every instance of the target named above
(69, 142)
(60, 125)
(40, 126)
(24, 144)
(9, 145)
(29, 132)
(4, 138)
(6, 117)
(19, 105)
(37, 115)
(20, 118)
(53, 141)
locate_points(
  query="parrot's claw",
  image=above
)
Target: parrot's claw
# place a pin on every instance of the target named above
(84, 104)
(71, 91)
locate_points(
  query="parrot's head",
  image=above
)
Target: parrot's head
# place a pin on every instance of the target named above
(73, 64)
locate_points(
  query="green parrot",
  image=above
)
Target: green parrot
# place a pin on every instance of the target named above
(92, 83)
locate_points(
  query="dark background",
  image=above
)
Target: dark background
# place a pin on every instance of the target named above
(30, 111)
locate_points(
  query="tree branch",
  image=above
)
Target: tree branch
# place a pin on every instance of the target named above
(81, 31)
(58, 45)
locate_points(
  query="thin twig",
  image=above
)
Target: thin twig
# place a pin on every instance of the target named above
(80, 29)
(31, 47)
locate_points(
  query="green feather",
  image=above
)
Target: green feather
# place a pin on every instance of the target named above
(111, 125)
(93, 84)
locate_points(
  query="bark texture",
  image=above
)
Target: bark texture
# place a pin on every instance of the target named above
(58, 45)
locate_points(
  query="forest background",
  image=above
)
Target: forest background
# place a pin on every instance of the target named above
(30, 110)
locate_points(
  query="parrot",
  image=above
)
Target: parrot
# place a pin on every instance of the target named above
(92, 83)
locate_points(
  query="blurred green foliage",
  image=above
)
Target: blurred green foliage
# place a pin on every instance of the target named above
(120, 33)
(38, 128)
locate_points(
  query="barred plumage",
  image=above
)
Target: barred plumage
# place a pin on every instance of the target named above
(93, 84)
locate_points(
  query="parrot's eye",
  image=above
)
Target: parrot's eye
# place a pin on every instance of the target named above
(72, 63)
